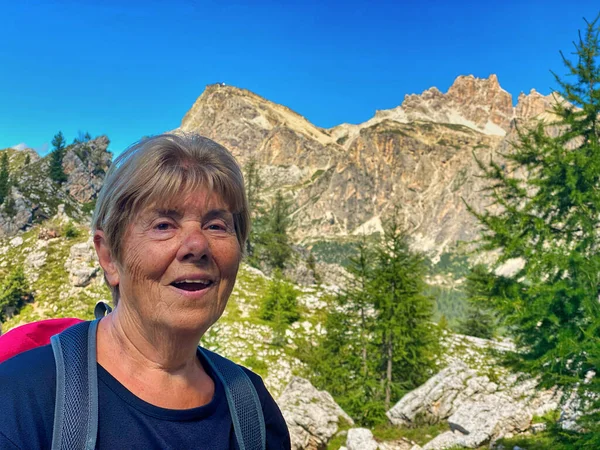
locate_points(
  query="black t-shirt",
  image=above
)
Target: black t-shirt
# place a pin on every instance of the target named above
(27, 393)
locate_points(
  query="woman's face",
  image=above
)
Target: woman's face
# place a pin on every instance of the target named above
(179, 262)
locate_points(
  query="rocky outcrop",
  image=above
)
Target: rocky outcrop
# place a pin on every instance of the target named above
(347, 179)
(312, 416)
(82, 264)
(35, 197)
(477, 409)
(86, 164)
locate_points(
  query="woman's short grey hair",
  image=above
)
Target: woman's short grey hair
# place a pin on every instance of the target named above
(160, 169)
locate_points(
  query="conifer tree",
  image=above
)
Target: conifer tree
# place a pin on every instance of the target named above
(280, 306)
(403, 324)
(56, 172)
(254, 187)
(274, 239)
(4, 177)
(550, 220)
(479, 321)
(380, 339)
(14, 291)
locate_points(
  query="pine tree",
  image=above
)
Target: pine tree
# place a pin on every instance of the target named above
(403, 328)
(550, 220)
(345, 361)
(56, 172)
(274, 240)
(479, 321)
(14, 291)
(380, 339)
(4, 177)
(254, 187)
(280, 306)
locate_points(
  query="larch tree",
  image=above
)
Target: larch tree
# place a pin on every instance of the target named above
(547, 217)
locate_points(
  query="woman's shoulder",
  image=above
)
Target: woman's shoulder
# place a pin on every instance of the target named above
(29, 366)
(27, 397)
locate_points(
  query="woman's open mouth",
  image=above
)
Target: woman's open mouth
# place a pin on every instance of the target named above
(192, 285)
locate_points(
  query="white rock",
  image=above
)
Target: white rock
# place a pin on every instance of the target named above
(360, 439)
(81, 264)
(16, 241)
(448, 439)
(312, 416)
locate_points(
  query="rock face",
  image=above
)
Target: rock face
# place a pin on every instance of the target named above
(347, 179)
(85, 165)
(37, 198)
(477, 409)
(312, 416)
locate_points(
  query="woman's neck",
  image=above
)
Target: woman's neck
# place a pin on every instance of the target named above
(158, 365)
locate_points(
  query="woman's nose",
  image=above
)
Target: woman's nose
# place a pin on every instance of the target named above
(194, 245)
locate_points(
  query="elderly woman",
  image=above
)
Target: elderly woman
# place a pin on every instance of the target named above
(169, 227)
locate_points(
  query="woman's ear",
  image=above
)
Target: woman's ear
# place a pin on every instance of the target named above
(108, 263)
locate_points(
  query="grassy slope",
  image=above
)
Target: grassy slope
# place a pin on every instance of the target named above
(240, 334)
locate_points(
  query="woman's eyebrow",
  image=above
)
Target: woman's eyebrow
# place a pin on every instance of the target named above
(218, 214)
(168, 212)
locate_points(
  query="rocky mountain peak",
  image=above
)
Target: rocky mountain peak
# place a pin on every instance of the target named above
(242, 120)
(478, 103)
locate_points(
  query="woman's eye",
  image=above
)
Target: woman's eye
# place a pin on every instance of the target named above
(163, 226)
(217, 226)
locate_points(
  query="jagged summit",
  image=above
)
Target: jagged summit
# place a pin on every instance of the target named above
(477, 103)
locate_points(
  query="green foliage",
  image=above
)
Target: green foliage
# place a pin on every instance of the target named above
(70, 231)
(4, 177)
(254, 187)
(311, 262)
(550, 219)
(272, 246)
(479, 321)
(14, 291)
(27, 159)
(257, 365)
(89, 207)
(455, 263)
(82, 137)
(380, 341)
(450, 302)
(55, 169)
(280, 306)
(10, 206)
(334, 252)
(420, 434)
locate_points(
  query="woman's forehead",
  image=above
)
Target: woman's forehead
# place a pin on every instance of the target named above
(201, 199)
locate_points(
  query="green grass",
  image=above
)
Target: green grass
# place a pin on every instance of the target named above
(541, 441)
(421, 435)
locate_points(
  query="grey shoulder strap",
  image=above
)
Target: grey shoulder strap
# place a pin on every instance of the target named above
(243, 401)
(76, 407)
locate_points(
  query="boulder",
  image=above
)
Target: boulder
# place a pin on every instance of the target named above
(360, 439)
(477, 409)
(449, 439)
(312, 416)
(436, 399)
(494, 416)
(81, 264)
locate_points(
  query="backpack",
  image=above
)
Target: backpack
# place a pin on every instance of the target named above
(76, 407)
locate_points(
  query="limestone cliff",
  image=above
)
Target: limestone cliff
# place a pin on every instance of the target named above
(418, 156)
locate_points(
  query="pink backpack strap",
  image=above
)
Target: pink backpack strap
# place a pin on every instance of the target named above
(32, 335)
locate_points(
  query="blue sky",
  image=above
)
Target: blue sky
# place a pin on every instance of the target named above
(133, 68)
